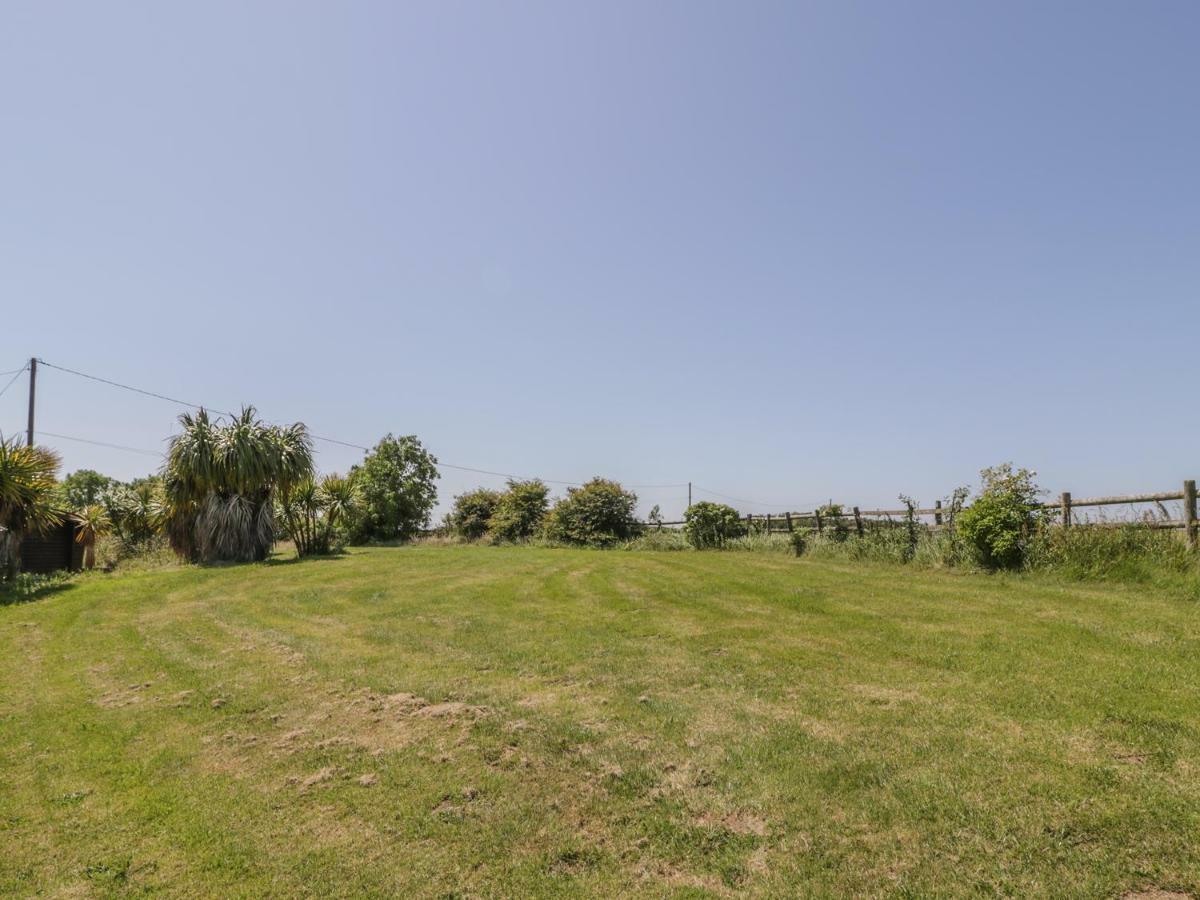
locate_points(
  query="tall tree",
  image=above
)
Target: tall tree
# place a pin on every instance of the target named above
(396, 482)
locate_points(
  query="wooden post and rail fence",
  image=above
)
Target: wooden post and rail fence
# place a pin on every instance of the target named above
(1065, 506)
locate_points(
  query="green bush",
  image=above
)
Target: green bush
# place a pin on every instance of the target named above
(1004, 518)
(833, 521)
(709, 525)
(396, 486)
(519, 511)
(472, 513)
(599, 513)
(799, 540)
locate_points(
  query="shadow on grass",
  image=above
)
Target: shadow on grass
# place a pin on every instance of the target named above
(28, 588)
(292, 560)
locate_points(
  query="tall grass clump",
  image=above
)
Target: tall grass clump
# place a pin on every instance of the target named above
(1128, 553)
(892, 544)
(760, 541)
(659, 539)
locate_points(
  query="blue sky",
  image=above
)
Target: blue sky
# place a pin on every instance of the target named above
(786, 251)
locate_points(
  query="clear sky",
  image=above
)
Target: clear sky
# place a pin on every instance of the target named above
(786, 251)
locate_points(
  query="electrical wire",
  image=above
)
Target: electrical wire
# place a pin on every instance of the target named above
(127, 387)
(318, 437)
(67, 437)
(14, 378)
(788, 506)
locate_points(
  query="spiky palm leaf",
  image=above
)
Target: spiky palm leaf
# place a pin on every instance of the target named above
(312, 510)
(93, 522)
(27, 501)
(220, 483)
(27, 480)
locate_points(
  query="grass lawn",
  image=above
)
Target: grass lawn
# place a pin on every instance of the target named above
(436, 721)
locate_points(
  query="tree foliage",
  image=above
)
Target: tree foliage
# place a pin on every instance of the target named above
(707, 524)
(520, 511)
(472, 513)
(396, 483)
(601, 512)
(1003, 519)
(85, 487)
(221, 481)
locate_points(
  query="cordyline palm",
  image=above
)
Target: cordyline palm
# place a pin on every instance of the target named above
(93, 522)
(313, 509)
(221, 482)
(27, 482)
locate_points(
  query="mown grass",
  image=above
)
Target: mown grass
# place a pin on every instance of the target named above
(479, 721)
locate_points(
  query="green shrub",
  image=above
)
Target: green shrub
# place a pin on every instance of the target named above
(1003, 518)
(519, 511)
(396, 484)
(708, 525)
(472, 513)
(599, 513)
(799, 540)
(833, 522)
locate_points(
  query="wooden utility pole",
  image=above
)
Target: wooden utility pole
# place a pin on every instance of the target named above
(32, 390)
(1189, 511)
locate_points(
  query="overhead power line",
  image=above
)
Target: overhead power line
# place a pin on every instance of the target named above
(159, 396)
(14, 378)
(127, 387)
(788, 506)
(67, 437)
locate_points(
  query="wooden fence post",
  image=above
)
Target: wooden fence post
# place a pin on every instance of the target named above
(817, 514)
(858, 522)
(749, 524)
(768, 524)
(937, 516)
(1189, 511)
(1065, 502)
(789, 522)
